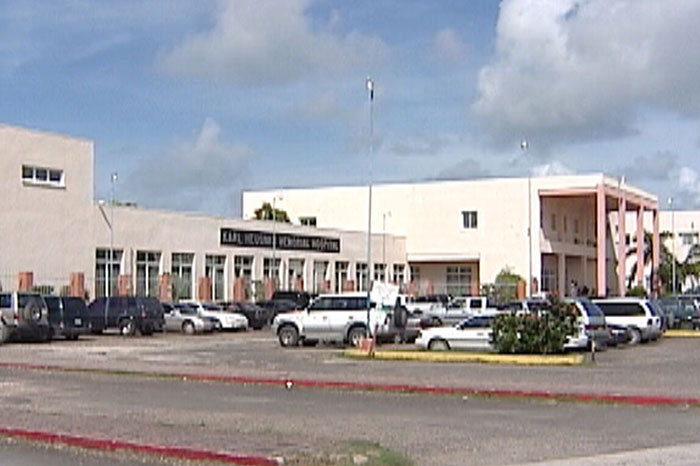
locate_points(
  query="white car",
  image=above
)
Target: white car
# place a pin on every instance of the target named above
(227, 320)
(472, 334)
(184, 318)
(590, 325)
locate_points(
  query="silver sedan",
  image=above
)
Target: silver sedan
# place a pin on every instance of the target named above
(184, 318)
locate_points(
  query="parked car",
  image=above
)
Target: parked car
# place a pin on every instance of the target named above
(636, 314)
(331, 317)
(619, 334)
(185, 319)
(257, 316)
(591, 326)
(128, 314)
(68, 316)
(473, 333)
(226, 320)
(682, 311)
(300, 298)
(278, 306)
(23, 316)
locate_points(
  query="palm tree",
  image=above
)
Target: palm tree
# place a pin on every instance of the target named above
(665, 270)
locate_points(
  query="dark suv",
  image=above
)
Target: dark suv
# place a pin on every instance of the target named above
(128, 314)
(301, 298)
(67, 316)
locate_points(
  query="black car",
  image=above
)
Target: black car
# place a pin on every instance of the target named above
(67, 316)
(128, 314)
(257, 316)
(278, 306)
(300, 298)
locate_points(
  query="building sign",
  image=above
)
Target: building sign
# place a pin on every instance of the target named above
(283, 241)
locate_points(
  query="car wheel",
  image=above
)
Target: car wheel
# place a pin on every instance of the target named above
(32, 312)
(72, 336)
(635, 336)
(436, 322)
(288, 336)
(188, 328)
(127, 327)
(438, 345)
(355, 336)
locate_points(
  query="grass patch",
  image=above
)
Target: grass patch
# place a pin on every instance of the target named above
(569, 359)
(352, 453)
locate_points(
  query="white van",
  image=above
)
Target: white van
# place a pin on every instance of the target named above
(637, 314)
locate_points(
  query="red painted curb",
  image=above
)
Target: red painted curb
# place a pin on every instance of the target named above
(113, 445)
(638, 400)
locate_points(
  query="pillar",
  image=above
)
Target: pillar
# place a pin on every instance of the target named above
(269, 287)
(124, 285)
(25, 281)
(655, 255)
(621, 243)
(641, 247)
(601, 284)
(239, 289)
(77, 285)
(204, 289)
(561, 274)
(165, 289)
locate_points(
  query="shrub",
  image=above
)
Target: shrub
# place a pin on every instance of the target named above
(540, 332)
(638, 291)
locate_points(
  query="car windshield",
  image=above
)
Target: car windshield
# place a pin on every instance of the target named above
(591, 308)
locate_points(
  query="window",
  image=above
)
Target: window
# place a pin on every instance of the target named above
(319, 277)
(42, 176)
(308, 221)
(181, 270)
(107, 272)
(689, 238)
(415, 273)
(576, 226)
(554, 222)
(147, 270)
(243, 267)
(566, 224)
(549, 279)
(341, 275)
(214, 268)
(399, 277)
(458, 280)
(379, 272)
(271, 270)
(361, 276)
(469, 219)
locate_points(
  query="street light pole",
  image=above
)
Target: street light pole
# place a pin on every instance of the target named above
(384, 216)
(673, 239)
(113, 179)
(524, 146)
(370, 90)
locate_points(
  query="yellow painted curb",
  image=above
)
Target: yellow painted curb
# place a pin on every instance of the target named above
(460, 356)
(678, 333)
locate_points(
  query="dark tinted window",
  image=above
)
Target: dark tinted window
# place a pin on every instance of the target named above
(475, 304)
(591, 308)
(25, 299)
(617, 309)
(74, 304)
(5, 300)
(53, 303)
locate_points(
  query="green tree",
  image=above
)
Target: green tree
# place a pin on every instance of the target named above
(505, 288)
(266, 212)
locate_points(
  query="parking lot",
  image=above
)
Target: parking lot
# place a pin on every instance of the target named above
(668, 367)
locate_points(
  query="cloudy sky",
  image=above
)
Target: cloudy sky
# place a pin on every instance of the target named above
(193, 101)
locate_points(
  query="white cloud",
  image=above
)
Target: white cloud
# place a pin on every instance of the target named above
(449, 47)
(270, 42)
(202, 175)
(689, 186)
(581, 70)
(554, 168)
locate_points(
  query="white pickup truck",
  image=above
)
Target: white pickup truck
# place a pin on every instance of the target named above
(455, 310)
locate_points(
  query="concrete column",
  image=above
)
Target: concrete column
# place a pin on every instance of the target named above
(239, 289)
(601, 284)
(655, 255)
(640, 246)
(165, 289)
(621, 243)
(204, 289)
(25, 281)
(124, 285)
(269, 287)
(561, 274)
(77, 285)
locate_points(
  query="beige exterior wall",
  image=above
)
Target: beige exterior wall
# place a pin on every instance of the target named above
(55, 229)
(45, 229)
(430, 216)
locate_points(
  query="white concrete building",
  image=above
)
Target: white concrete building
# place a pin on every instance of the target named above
(52, 227)
(461, 234)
